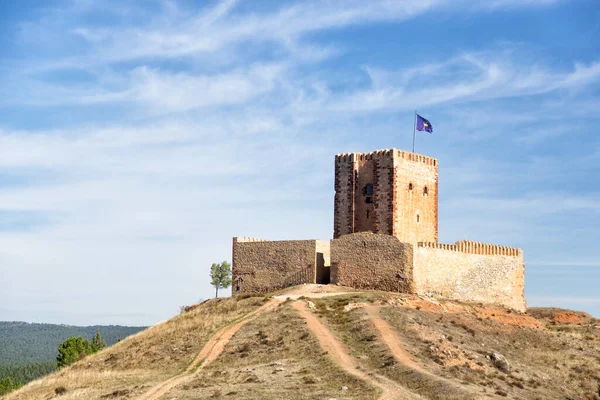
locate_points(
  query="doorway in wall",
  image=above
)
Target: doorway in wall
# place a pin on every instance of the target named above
(323, 272)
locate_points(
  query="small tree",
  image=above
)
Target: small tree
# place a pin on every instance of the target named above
(73, 349)
(98, 342)
(220, 275)
(7, 385)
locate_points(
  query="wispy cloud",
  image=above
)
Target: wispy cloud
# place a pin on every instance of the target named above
(166, 128)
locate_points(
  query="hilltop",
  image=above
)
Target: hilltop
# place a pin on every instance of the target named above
(312, 342)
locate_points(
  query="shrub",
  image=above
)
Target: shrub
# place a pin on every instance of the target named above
(59, 391)
(7, 385)
(73, 349)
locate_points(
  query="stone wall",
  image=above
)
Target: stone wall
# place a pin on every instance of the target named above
(471, 271)
(263, 266)
(415, 197)
(371, 261)
(344, 185)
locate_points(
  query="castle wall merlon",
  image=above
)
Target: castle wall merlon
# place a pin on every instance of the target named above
(345, 157)
(244, 239)
(473, 247)
(407, 155)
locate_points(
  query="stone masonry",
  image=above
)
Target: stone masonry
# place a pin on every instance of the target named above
(392, 192)
(262, 266)
(369, 261)
(385, 238)
(471, 271)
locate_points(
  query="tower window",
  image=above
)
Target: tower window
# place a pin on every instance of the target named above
(425, 191)
(369, 189)
(369, 200)
(410, 186)
(367, 214)
(418, 218)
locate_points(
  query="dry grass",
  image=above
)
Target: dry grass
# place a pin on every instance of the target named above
(544, 363)
(553, 354)
(274, 357)
(548, 359)
(133, 365)
(355, 329)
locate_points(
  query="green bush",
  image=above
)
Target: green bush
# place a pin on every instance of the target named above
(74, 349)
(7, 385)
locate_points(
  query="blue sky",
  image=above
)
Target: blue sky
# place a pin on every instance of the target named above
(136, 138)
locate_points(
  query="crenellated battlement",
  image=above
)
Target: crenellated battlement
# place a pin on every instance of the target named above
(473, 247)
(407, 155)
(244, 239)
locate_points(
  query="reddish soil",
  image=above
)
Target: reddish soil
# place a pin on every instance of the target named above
(499, 314)
(503, 316)
(566, 317)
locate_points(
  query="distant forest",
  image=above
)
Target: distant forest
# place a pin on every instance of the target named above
(28, 351)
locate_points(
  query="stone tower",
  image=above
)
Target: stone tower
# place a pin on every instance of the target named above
(392, 192)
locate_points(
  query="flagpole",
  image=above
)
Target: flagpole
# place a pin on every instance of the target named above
(414, 127)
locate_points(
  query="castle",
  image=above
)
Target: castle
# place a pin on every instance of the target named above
(385, 238)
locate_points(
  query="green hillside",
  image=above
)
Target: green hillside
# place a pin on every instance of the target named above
(22, 343)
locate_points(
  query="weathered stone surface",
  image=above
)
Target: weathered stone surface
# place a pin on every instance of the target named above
(370, 261)
(462, 275)
(263, 266)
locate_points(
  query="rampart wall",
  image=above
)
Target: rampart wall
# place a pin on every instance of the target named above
(471, 271)
(263, 266)
(369, 261)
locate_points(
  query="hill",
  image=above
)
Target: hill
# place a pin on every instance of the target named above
(24, 343)
(318, 343)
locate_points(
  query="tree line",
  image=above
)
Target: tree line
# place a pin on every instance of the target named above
(71, 350)
(23, 343)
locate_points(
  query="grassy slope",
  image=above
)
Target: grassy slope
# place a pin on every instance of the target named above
(274, 357)
(136, 363)
(553, 354)
(548, 359)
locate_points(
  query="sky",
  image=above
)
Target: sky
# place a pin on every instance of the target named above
(137, 138)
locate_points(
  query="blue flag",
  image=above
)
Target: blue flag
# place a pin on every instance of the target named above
(423, 124)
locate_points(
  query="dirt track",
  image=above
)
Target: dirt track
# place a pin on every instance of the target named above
(209, 353)
(391, 340)
(337, 350)
(341, 355)
(394, 343)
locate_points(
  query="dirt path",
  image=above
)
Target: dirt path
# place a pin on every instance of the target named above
(341, 355)
(394, 343)
(209, 353)
(391, 339)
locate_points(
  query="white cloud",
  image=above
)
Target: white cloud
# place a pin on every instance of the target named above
(475, 76)
(228, 121)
